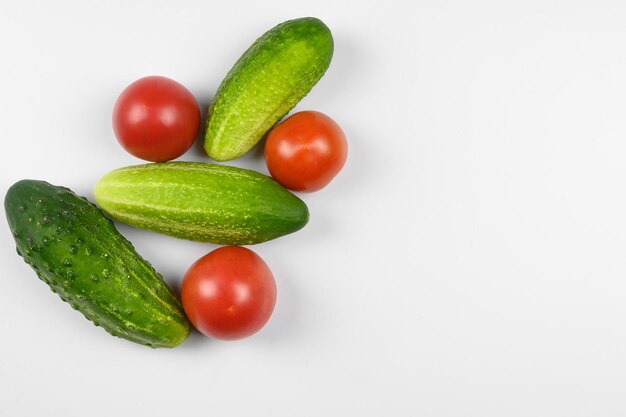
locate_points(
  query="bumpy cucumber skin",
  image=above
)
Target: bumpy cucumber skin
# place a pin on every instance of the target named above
(269, 79)
(80, 254)
(202, 202)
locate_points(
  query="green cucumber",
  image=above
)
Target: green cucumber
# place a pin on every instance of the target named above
(202, 202)
(80, 254)
(269, 79)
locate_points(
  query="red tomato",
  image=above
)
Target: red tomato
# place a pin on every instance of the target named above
(156, 119)
(229, 293)
(306, 151)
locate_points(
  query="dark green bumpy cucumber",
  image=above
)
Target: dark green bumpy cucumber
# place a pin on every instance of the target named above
(202, 202)
(80, 254)
(269, 79)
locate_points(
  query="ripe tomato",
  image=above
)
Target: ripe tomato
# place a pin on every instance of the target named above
(306, 151)
(156, 119)
(229, 293)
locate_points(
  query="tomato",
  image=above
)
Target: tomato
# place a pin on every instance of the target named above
(306, 151)
(156, 119)
(229, 293)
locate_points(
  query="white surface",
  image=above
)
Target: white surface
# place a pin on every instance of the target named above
(469, 260)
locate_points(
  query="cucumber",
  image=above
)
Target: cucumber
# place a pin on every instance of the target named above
(78, 252)
(202, 202)
(269, 79)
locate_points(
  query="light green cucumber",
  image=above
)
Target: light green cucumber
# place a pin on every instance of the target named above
(202, 202)
(78, 252)
(269, 79)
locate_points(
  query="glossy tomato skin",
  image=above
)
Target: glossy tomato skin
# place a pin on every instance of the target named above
(156, 119)
(306, 151)
(229, 293)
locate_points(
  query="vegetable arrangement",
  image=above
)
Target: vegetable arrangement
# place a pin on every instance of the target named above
(229, 293)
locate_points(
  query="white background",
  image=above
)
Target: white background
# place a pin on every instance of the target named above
(468, 261)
